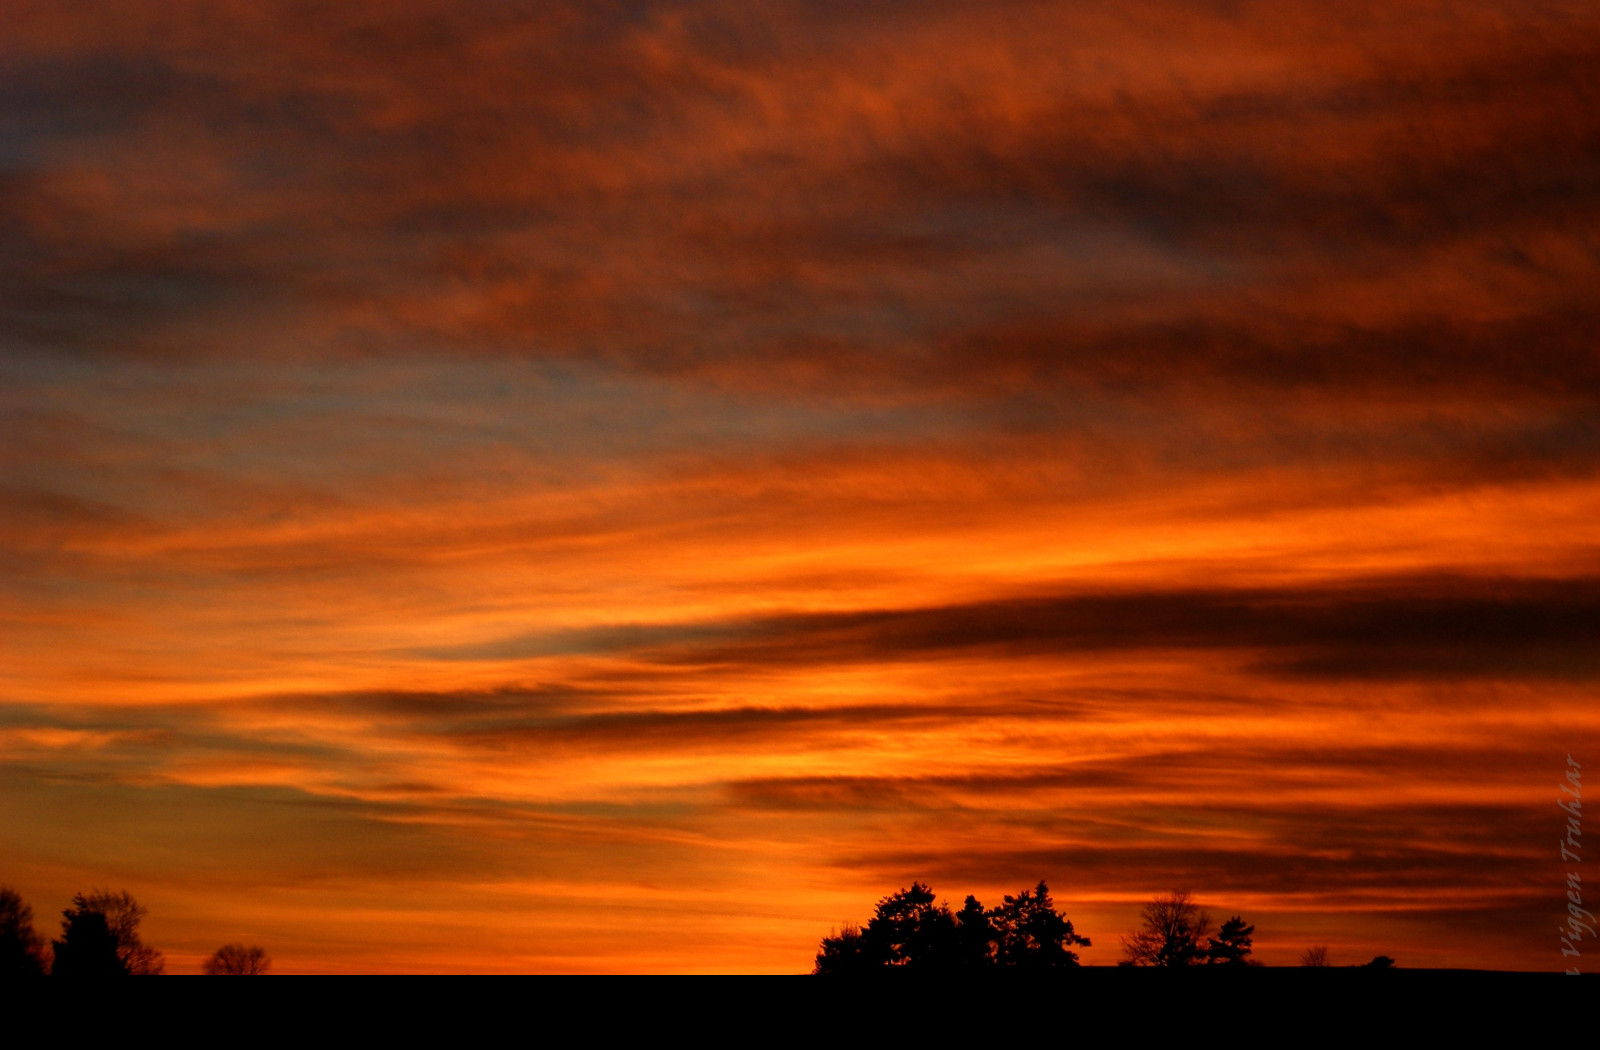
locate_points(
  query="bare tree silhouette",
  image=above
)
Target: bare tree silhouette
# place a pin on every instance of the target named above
(1173, 931)
(236, 959)
(1316, 955)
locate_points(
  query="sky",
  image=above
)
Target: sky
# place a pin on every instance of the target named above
(548, 487)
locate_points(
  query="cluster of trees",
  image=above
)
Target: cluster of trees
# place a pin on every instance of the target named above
(99, 938)
(910, 929)
(1175, 931)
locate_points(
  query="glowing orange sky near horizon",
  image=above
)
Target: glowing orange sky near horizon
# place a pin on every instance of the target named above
(622, 488)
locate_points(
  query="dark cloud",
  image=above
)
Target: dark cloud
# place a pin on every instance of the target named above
(1212, 777)
(1429, 627)
(513, 701)
(630, 716)
(653, 730)
(1320, 853)
(749, 200)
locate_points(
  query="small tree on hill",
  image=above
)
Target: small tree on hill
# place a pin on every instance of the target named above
(236, 959)
(1316, 955)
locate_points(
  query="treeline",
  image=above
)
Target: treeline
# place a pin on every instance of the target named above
(911, 930)
(99, 938)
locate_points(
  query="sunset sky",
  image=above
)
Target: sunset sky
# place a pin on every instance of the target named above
(593, 486)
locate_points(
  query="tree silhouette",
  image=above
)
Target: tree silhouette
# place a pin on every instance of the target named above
(1380, 962)
(911, 930)
(1031, 934)
(87, 947)
(236, 959)
(21, 948)
(1172, 932)
(1231, 944)
(100, 938)
(975, 935)
(844, 953)
(1316, 955)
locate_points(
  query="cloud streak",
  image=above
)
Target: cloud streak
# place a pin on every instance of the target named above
(1428, 626)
